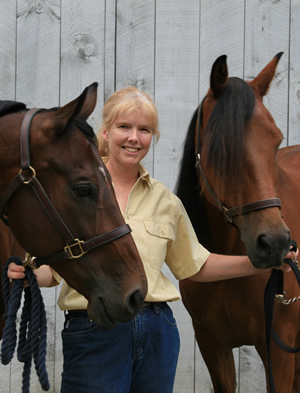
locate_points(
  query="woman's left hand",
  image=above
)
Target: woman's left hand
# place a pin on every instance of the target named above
(290, 255)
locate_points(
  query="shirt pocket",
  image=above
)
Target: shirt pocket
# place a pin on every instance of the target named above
(159, 235)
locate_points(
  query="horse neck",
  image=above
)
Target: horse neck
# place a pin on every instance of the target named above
(10, 160)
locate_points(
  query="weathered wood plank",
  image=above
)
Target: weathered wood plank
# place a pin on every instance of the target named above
(38, 53)
(134, 49)
(110, 48)
(176, 81)
(293, 136)
(8, 50)
(222, 33)
(82, 51)
(58, 356)
(176, 97)
(266, 34)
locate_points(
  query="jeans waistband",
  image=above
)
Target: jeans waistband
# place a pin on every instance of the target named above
(84, 314)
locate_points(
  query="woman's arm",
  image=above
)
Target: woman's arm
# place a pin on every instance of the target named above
(43, 274)
(221, 267)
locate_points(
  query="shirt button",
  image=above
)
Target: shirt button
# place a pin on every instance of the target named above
(162, 233)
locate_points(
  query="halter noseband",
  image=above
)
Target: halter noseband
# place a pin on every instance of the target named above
(27, 175)
(229, 213)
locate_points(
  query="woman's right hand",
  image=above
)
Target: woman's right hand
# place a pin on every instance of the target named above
(15, 271)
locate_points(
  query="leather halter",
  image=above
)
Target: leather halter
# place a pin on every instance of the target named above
(74, 248)
(229, 213)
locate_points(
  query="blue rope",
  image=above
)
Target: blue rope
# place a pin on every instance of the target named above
(33, 326)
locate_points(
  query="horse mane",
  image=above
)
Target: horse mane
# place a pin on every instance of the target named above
(7, 107)
(187, 187)
(85, 128)
(223, 142)
(78, 122)
(224, 134)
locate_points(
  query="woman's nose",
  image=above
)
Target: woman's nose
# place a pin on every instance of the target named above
(133, 135)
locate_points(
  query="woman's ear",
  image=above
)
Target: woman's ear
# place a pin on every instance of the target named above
(105, 134)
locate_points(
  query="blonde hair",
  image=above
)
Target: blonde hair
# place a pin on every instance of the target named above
(127, 100)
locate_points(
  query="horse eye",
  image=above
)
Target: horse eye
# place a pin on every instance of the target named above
(83, 190)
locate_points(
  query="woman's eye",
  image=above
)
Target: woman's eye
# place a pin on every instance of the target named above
(83, 191)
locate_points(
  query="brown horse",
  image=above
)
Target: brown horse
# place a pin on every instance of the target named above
(62, 209)
(243, 175)
(8, 247)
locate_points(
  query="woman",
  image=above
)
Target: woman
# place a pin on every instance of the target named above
(139, 356)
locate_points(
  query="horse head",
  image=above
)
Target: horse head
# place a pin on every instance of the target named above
(71, 196)
(237, 143)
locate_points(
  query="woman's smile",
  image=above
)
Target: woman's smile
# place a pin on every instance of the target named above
(129, 138)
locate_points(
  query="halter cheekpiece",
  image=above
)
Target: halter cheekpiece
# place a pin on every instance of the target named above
(75, 248)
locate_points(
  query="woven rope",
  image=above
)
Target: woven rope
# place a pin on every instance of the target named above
(33, 326)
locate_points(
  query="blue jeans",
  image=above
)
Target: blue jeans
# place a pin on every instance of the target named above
(139, 356)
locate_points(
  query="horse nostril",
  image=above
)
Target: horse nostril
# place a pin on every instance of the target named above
(135, 301)
(269, 245)
(264, 244)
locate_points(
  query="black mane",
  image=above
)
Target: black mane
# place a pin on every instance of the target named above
(223, 142)
(81, 124)
(224, 135)
(187, 186)
(85, 128)
(7, 107)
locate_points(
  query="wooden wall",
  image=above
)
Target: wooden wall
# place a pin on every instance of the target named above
(51, 50)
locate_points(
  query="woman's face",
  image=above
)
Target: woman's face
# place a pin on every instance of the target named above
(129, 139)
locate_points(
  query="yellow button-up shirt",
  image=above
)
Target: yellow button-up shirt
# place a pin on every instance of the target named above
(163, 233)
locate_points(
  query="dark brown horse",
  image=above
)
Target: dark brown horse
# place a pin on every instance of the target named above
(62, 209)
(238, 161)
(8, 247)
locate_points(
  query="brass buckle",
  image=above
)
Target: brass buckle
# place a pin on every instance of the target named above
(225, 212)
(79, 244)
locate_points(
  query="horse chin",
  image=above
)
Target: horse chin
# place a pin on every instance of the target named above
(109, 314)
(101, 317)
(266, 262)
(267, 248)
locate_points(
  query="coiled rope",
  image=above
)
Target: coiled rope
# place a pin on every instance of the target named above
(33, 326)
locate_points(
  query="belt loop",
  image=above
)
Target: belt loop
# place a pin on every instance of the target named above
(156, 307)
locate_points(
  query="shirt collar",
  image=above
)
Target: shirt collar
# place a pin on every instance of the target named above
(143, 173)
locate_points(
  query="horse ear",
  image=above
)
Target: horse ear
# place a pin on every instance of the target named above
(82, 105)
(263, 80)
(218, 76)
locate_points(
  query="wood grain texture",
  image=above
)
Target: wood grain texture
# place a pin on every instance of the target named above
(293, 124)
(176, 96)
(267, 27)
(8, 43)
(38, 53)
(82, 51)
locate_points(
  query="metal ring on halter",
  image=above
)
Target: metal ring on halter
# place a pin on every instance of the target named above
(33, 173)
(29, 261)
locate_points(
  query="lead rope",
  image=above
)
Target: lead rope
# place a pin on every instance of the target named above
(33, 326)
(273, 288)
